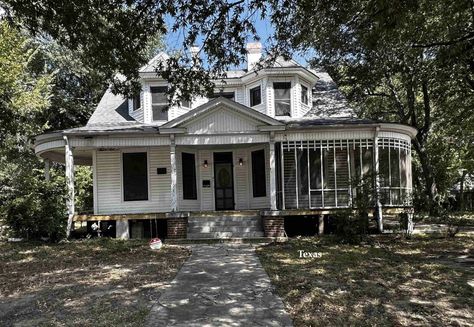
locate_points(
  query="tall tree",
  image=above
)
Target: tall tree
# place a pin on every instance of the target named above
(406, 61)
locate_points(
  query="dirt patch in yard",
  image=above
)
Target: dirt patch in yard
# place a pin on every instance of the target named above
(389, 282)
(85, 283)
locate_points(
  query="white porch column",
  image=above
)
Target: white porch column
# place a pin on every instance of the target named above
(378, 205)
(273, 201)
(69, 161)
(174, 195)
(47, 166)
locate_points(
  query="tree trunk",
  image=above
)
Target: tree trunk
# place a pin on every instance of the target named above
(431, 190)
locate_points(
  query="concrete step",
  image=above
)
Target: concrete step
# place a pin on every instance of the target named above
(224, 235)
(233, 240)
(223, 218)
(253, 223)
(225, 228)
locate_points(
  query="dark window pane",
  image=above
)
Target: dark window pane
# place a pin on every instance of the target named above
(258, 174)
(136, 102)
(304, 94)
(282, 98)
(255, 96)
(160, 112)
(189, 176)
(303, 172)
(135, 179)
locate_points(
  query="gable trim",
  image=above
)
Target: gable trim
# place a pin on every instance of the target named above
(201, 110)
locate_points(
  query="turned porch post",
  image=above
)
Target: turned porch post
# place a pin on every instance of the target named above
(69, 161)
(174, 195)
(273, 201)
(378, 205)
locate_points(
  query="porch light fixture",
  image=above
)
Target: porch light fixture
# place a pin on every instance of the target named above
(241, 162)
(205, 164)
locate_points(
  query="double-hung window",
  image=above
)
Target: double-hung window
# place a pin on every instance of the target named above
(282, 96)
(255, 96)
(259, 181)
(159, 102)
(135, 177)
(188, 162)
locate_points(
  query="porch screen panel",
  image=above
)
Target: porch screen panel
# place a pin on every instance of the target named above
(342, 176)
(404, 175)
(329, 180)
(289, 181)
(394, 175)
(384, 174)
(189, 176)
(394, 163)
(303, 197)
(135, 179)
(316, 182)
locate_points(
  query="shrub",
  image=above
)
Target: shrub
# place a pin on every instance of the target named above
(31, 207)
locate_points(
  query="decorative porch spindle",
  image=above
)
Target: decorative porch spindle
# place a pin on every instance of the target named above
(69, 161)
(273, 202)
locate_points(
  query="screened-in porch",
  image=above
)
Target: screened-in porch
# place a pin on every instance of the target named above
(324, 174)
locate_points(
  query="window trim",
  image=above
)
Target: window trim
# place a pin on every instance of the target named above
(195, 197)
(303, 94)
(274, 98)
(264, 194)
(158, 103)
(259, 87)
(122, 184)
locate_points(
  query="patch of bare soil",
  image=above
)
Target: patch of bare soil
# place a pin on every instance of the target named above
(84, 283)
(386, 282)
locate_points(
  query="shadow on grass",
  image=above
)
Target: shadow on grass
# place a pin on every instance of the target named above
(418, 282)
(87, 283)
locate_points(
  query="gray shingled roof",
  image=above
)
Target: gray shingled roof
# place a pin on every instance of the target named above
(328, 101)
(111, 110)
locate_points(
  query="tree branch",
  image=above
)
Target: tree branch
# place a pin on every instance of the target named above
(466, 37)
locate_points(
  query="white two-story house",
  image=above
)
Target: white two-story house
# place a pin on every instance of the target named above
(272, 143)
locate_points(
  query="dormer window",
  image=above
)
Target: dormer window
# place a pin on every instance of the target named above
(185, 104)
(228, 95)
(159, 102)
(255, 96)
(304, 94)
(136, 102)
(282, 92)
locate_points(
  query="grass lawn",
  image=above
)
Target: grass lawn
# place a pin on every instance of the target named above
(84, 283)
(424, 281)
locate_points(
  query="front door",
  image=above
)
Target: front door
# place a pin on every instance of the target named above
(224, 181)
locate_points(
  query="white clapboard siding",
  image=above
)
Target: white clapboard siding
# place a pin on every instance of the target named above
(187, 205)
(109, 183)
(241, 179)
(220, 121)
(206, 173)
